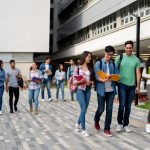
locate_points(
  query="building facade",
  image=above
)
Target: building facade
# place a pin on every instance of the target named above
(93, 24)
(24, 31)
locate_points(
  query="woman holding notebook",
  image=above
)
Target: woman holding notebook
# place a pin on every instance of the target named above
(84, 80)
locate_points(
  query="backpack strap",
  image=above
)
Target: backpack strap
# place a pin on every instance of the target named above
(100, 62)
(78, 71)
(121, 57)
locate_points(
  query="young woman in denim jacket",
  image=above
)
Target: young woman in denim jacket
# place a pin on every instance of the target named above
(2, 79)
(60, 77)
(83, 92)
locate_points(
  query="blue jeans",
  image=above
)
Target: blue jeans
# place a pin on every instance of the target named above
(1, 96)
(108, 99)
(34, 94)
(60, 85)
(45, 82)
(83, 98)
(126, 96)
(72, 95)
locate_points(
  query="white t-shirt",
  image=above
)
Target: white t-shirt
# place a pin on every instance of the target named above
(46, 68)
(108, 87)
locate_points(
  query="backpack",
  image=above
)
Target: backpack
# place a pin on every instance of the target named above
(72, 86)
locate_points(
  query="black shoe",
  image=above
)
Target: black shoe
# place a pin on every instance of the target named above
(15, 107)
(11, 111)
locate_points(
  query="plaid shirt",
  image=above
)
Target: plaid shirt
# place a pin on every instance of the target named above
(83, 73)
(33, 85)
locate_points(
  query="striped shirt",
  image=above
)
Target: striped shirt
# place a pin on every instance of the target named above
(38, 74)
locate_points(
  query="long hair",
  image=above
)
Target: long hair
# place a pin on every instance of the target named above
(147, 64)
(1, 62)
(90, 64)
(59, 67)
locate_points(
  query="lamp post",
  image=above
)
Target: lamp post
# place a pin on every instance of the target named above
(137, 45)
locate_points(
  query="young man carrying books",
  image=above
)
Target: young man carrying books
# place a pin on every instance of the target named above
(106, 89)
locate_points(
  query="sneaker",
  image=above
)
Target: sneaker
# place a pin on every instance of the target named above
(127, 129)
(64, 100)
(0, 112)
(77, 129)
(148, 128)
(43, 100)
(50, 99)
(107, 133)
(97, 126)
(119, 128)
(85, 133)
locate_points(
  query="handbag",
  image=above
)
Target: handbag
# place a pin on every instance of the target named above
(20, 82)
(72, 86)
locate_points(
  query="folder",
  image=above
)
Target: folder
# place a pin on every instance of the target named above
(78, 77)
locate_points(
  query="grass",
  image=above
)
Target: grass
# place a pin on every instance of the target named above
(145, 105)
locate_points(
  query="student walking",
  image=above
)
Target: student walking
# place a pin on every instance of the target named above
(35, 78)
(12, 79)
(70, 74)
(60, 77)
(2, 80)
(129, 67)
(46, 69)
(83, 91)
(146, 74)
(106, 89)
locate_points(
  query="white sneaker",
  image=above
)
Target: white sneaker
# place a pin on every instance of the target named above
(85, 133)
(119, 128)
(0, 112)
(77, 129)
(148, 128)
(50, 99)
(43, 100)
(127, 129)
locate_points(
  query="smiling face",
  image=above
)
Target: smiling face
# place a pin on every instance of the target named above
(88, 58)
(129, 49)
(108, 56)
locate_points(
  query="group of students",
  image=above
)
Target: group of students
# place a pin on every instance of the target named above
(126, 65)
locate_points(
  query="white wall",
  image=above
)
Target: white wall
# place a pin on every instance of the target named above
(24, 25)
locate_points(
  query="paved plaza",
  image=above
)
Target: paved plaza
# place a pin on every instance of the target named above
(53, 128)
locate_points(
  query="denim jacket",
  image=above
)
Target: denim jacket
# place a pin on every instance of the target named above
(42, 69)
(100, 86)
(57, 77)
(2, 77)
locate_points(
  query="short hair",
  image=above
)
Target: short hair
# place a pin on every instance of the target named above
(109, 49)
(47, 58)
(129, 42)
(11, 61)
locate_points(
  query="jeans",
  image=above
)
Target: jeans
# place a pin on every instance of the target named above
(72, 95)
(148, 94)
(13, 91)
(1, 96)
(46, 83)
(83, 98)
(109, 98)
(126, 96)
(60, 85)
(34, 94)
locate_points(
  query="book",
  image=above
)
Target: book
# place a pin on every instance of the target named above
(112, 77)
(78, 77)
